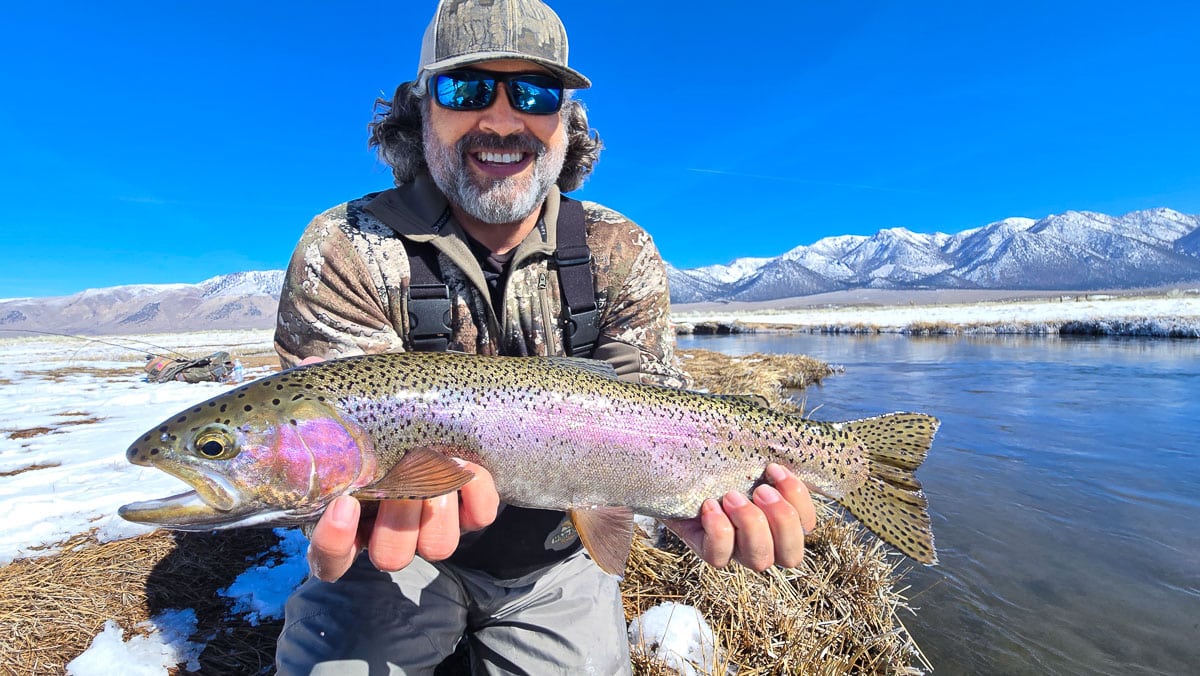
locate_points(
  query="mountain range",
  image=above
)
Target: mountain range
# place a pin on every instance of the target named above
(1077, 250)
(1074, 251)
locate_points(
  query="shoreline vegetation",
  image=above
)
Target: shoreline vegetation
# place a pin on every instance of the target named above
(839, 612)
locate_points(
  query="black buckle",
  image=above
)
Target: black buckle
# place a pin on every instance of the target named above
(429, 312)
(581, 331)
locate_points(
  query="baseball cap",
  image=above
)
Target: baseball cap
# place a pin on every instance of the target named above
(469, 31)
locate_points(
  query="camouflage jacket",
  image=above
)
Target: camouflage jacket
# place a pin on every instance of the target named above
(345, 291)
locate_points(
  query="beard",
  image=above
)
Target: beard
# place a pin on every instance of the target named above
(504, 200)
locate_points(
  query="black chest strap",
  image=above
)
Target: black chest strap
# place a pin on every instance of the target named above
(573, 258)
(429, 308)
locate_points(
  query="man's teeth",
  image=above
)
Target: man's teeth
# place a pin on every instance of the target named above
(501, 158)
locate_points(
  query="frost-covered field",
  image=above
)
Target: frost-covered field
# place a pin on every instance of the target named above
(1179, 313)
(70, 407)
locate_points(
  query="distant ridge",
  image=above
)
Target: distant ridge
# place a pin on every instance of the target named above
(1074, 251)
(242, 300)
(1077, 250)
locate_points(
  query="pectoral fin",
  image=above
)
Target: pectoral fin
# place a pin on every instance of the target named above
(422, 473)
(607, 534)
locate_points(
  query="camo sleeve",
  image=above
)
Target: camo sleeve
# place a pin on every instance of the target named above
(330, 305)
(636, 311)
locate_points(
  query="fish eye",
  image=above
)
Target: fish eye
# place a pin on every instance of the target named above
(215, 442)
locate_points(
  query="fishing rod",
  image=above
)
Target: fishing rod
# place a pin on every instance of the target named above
(105, 342)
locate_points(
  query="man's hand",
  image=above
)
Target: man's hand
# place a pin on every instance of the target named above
(402, 529)
(769, 530)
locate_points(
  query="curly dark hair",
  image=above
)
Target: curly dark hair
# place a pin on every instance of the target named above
(396, 136)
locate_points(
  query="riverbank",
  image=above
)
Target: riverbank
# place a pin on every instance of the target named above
(1173, 314)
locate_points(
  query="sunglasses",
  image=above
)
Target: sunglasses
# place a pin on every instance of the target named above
(532, 93)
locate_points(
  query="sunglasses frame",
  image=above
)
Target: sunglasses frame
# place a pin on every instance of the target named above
(479, 75)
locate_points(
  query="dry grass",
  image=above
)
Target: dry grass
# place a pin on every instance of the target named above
(30, 468)
(835, 614)
(769, 376)
(73, 418)
(54, 605)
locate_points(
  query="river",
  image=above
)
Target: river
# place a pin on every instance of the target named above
(1064, 487)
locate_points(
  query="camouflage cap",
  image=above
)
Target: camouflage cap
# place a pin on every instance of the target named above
(468, 31)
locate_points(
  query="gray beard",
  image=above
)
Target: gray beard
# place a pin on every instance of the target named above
(507, 200)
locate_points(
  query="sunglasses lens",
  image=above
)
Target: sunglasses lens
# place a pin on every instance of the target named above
(464, 91)
(535, 94)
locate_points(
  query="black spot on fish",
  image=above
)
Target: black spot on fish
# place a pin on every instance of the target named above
(223, 407)
(247, 408)
(154, 451)
(275, 402)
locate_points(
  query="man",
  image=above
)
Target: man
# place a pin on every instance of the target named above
(482, 144)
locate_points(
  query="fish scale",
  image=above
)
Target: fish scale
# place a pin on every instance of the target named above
(555, 433)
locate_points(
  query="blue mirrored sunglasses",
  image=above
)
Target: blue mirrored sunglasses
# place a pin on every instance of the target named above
(532, 93)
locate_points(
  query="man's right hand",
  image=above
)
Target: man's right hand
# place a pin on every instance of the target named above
(401, 529)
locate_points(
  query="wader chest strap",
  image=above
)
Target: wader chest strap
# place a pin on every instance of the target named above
(573, 258)
(428, 300)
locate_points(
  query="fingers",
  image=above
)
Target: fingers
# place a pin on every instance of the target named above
(431, 528)
(478, 500)
(753, 543)
(796, 493)
(768, 530)
(334, 542)
(406, 528)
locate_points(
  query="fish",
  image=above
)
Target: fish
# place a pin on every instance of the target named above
(557, 433)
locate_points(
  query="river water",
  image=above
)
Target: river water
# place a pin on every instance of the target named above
(1064, 487)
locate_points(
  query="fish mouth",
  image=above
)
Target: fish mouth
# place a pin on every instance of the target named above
(214, 503)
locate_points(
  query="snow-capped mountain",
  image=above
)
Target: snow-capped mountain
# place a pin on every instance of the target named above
(1076, 250)
(235, 301)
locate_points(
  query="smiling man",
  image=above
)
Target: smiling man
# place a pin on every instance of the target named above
(477, 250)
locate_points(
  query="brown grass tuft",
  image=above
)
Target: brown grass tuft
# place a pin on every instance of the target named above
(29, 432)
(54, 605)
(30, 468)
(769, 376)
(835, 614)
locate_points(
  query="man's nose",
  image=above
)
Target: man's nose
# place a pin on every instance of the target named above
(500, 118)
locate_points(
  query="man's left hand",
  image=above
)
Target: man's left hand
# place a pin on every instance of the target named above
(767, 530)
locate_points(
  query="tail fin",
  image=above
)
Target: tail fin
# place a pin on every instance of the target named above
(891, 503)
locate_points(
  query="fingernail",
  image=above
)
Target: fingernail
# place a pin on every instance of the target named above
(342, 512)
(767, 494)
(736, 499)
(776, 473)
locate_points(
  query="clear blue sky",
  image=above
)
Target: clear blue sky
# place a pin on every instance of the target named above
(147, 142)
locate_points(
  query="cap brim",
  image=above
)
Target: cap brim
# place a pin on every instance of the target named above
(571, 79)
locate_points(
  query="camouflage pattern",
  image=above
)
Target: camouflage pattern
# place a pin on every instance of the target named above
(469, 31)
(345, 292)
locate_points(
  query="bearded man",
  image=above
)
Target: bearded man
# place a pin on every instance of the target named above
(482, 144)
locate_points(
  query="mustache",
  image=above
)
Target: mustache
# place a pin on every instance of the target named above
(512, 143)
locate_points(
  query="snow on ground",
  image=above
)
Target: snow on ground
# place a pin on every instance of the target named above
(1182, 308)
(70, 407)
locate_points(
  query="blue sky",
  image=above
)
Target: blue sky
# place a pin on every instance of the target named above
(149, 142)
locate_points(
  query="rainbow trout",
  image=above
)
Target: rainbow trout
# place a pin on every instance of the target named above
(555, 432)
